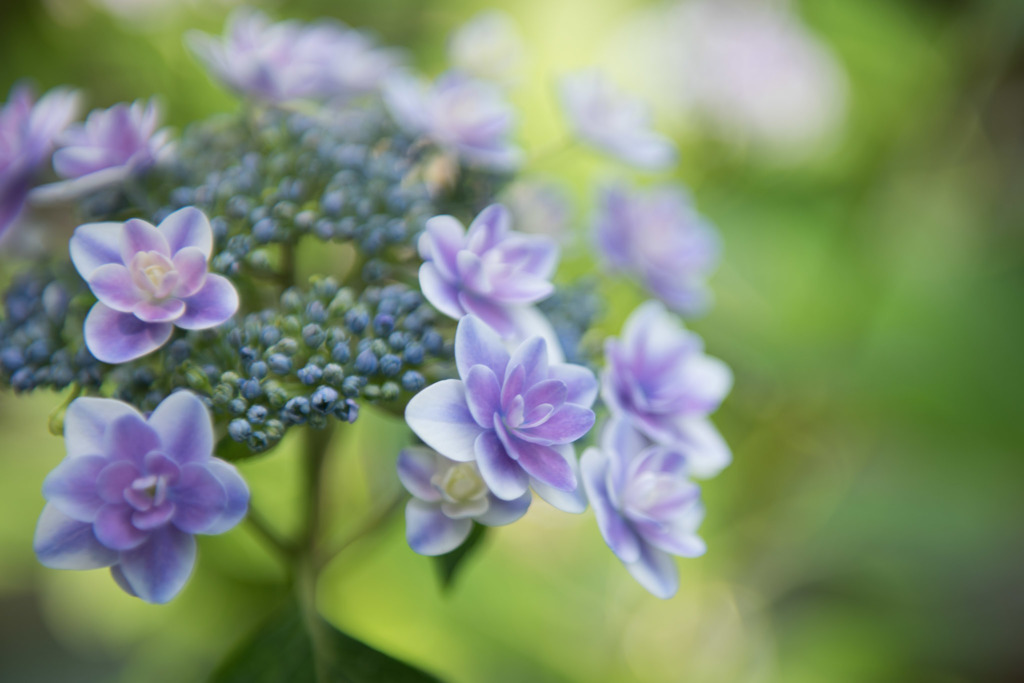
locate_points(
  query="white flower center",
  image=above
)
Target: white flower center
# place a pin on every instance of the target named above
(460, 483)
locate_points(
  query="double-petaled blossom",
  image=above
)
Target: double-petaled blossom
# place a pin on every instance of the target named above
(646, 507)
(466, 117)
(111, 145)
(659, 379)
(149, 280)
(489, 271)
(288, 60)
(133, 490)
(488, 46)
(448, 496)
(28, 129)
(515, 415)
(603, 116)
(659, 238)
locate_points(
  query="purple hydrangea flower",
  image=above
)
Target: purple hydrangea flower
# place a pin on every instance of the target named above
(611, 121)
(467, 118)
(110, 146)
(286, 61)
(28, 129)
(488, 46)
(514, 415)
(148, 281)
(490, 271)
(646, 507)
(133, 490)
(448, 496)
(659, 238)
(658, 378)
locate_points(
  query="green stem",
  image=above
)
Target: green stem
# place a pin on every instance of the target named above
(285, 549)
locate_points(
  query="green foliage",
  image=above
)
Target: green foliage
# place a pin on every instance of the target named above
(450, 564)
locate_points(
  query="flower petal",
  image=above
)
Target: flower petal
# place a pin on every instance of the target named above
(503, 475)
(655, 571)
(113, 527)
(483, 395)
(499, 318)
(487, 229)
(138, 235)
(501, 512)
(540, 462)
(430, 532)
(188, 227)
(416, 467)
(167, 311)
(190, 263)
(112, 284)
(439, 415)
(158, 569)
(184, 426)
(94, 245)
(478, 344)
(71, 487)
(616, 531)
(574, 501)
(130, 438)
(567, 424)
(441, 294)
(64, 543)
(199, 499)
(532, 354)
(706, 451)
(86, 422)
(443, 237)
(114, 337)
(580, 381)
(238, 496)
(210, 306)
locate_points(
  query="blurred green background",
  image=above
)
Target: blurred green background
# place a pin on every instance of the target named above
(871, 302)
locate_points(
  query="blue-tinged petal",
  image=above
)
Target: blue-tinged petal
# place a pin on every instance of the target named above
(580, 382)
(706, 451)
(65, 543)
(238, 496)
(112, 284)
(130, 438)
(440, 416)
(503, 475)
(656, 571)
(86, 421)
(442, 239)
(543, 463)
(114, 337)
(483, 395)
(158, 569)
(566, 424)
(708, 381)
(121, 580)
(138, 235)
(501, 512)
(532, 354)
(496, 316)
(478, 344)
(71, 487)
(167, 311)
(416, 467)
(190, 263)
(430, 532)
(199, 499)
(188, 227)
(574, 501)
(615, 530)
(488, 228)
(184, 426)
(113, 527)
(441, 293)
(94, 245)
(530, 322)
(210, 306)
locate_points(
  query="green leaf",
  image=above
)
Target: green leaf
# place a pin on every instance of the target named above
(449, 564)
(282, 650)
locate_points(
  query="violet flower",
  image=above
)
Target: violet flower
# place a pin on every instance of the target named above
(28, 129)
(660, 238)
(514, 415)
(133, 490)
(448, 496)
(286, 61)
(110, 146)
(658, 378)
(488, 46)
(646, 507)
(149, 280)
(465, 117)
(612, 121)
(490, 271)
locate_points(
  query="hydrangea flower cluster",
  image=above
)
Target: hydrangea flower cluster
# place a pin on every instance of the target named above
(282, 270)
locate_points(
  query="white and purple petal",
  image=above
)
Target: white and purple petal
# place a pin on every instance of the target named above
(115, 337)
(62, 542)
(430, 532)
(440, 416)
(158, 569)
